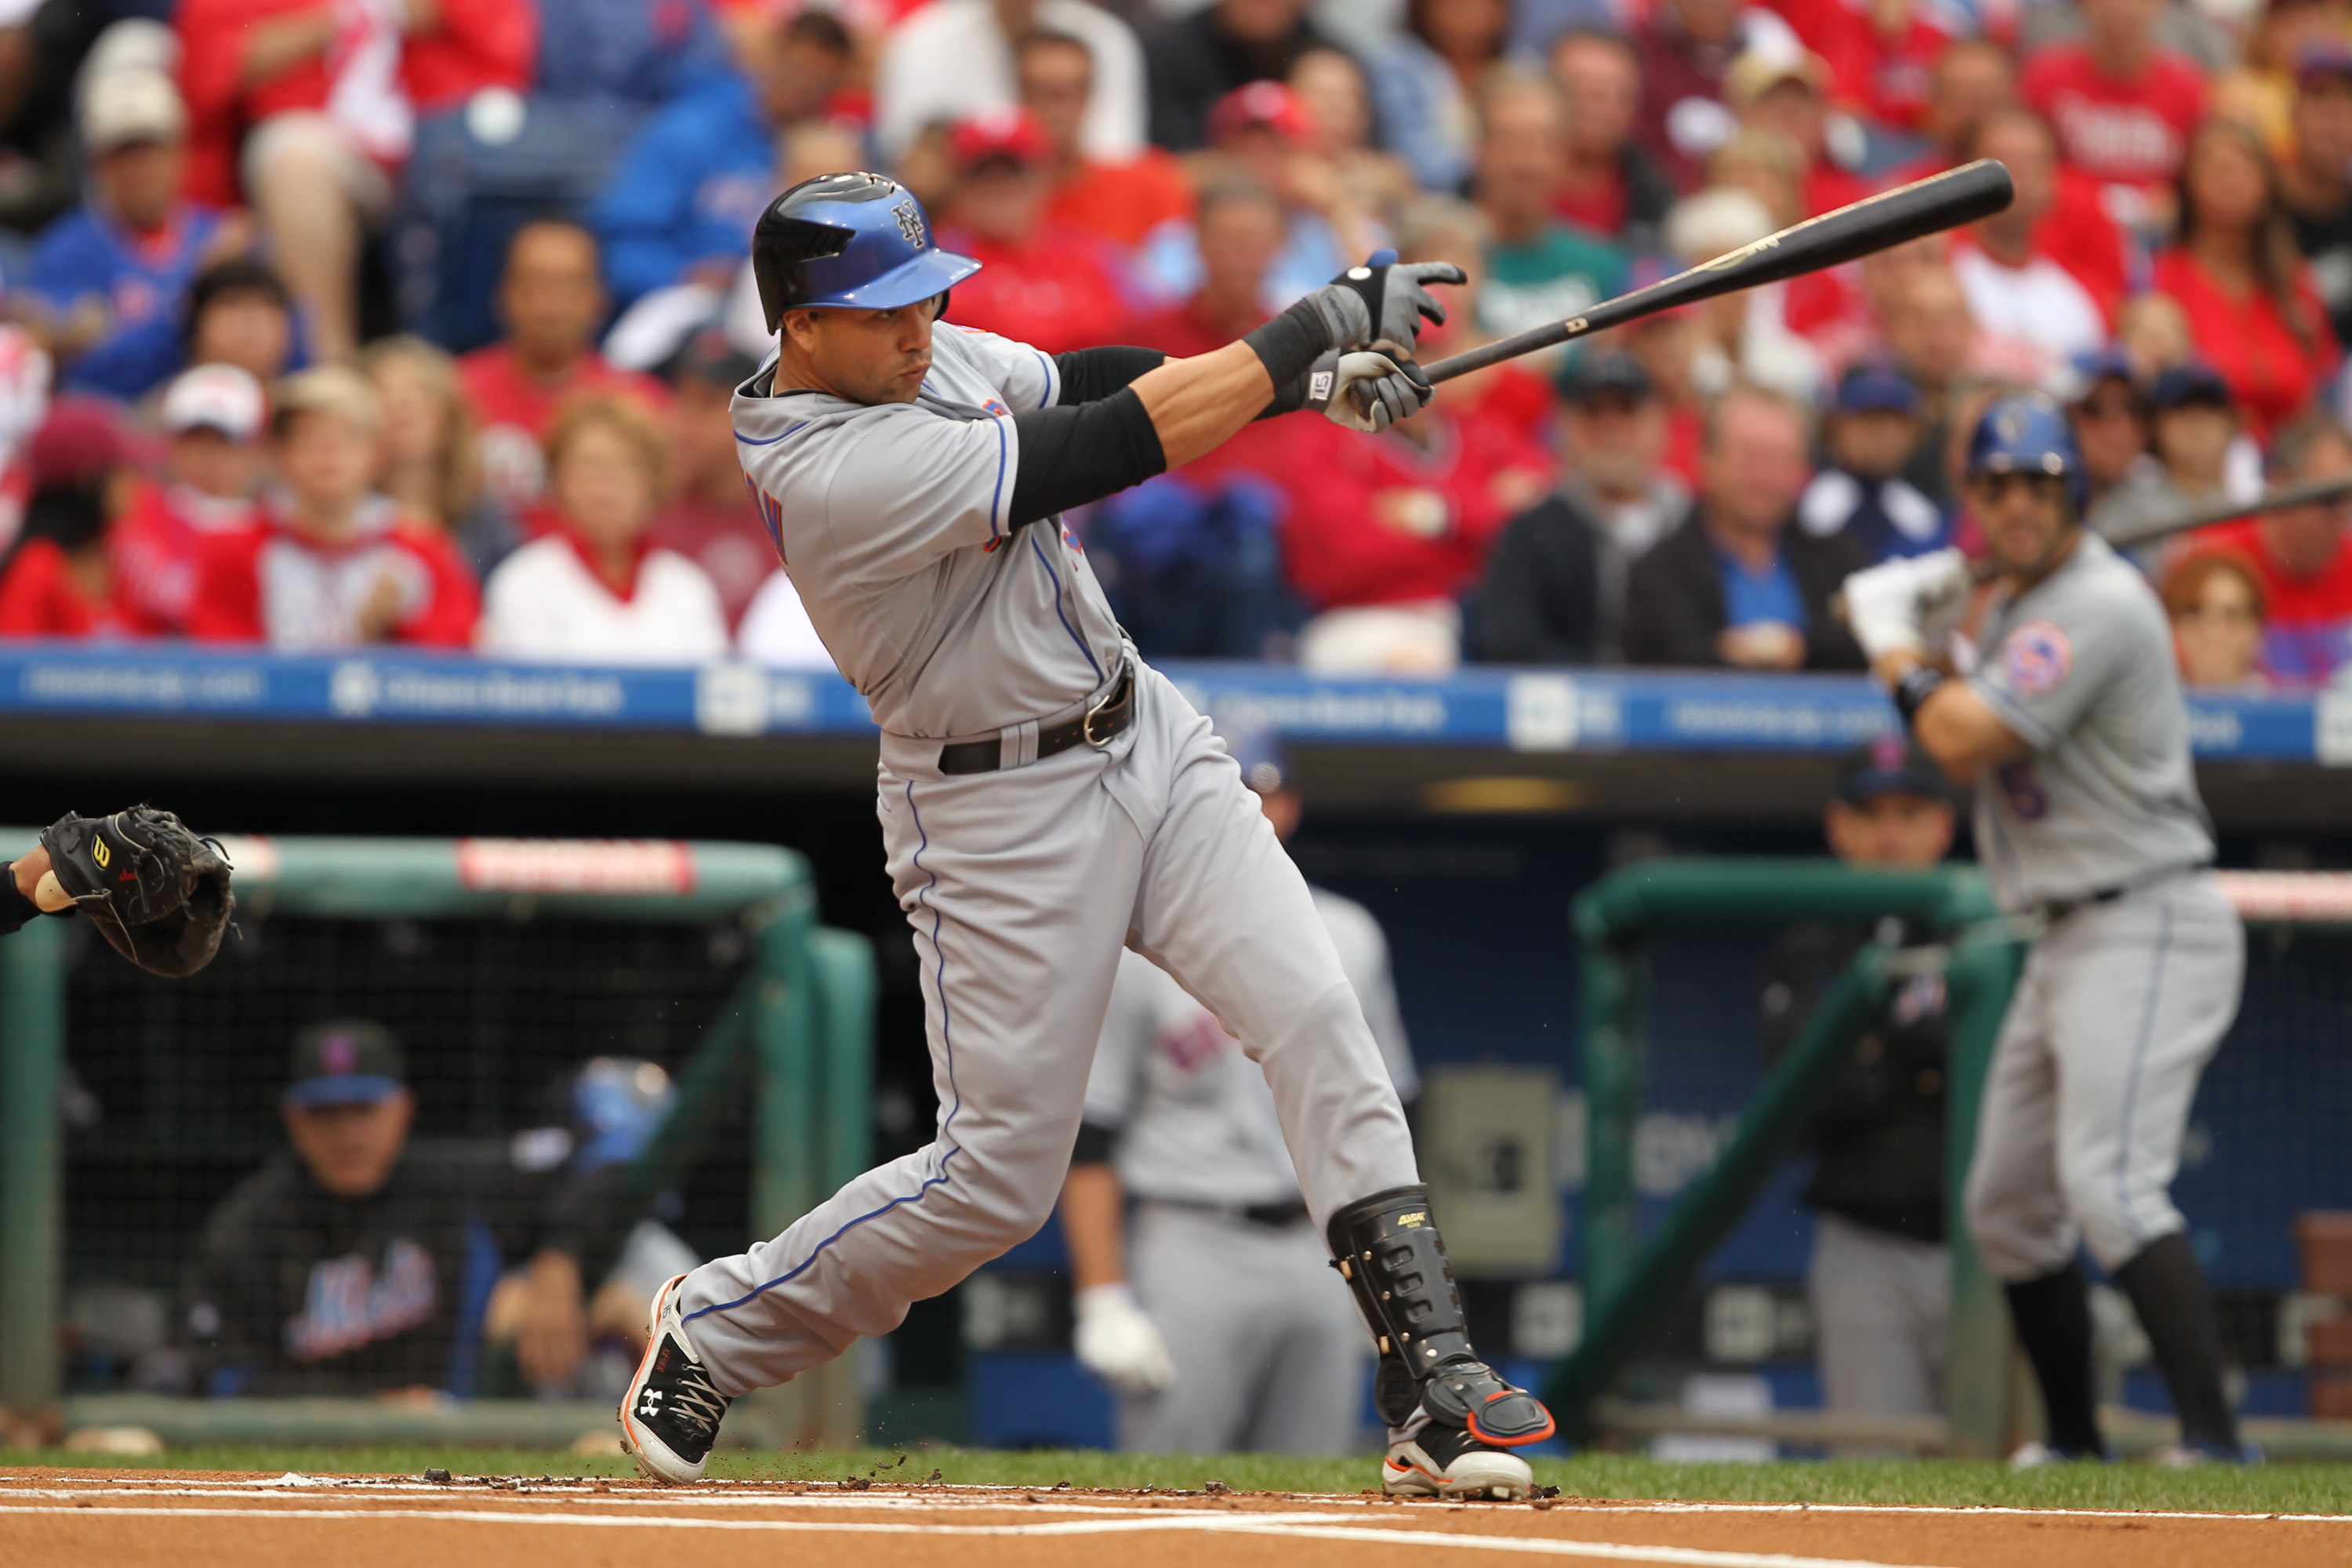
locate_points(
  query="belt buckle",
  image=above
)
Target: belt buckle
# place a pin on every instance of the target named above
(1103, 704)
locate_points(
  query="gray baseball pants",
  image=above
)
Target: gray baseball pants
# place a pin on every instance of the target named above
(2119, 1009)
(1882, 1318)
(1021, 886)
(1271, 1355)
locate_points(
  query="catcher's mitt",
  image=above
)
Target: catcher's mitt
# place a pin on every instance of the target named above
(158, 892)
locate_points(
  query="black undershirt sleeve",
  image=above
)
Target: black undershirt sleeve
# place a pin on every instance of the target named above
(1073, 455)
(1089, 375)
(1094, 1145)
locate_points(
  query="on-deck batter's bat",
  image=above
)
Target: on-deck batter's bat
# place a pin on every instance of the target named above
(2230, 511)
(1984, 569)
(1923, 206)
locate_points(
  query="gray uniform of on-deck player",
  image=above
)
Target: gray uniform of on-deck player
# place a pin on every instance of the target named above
(2126, 995)
(1021, 885)
(1269, 1352)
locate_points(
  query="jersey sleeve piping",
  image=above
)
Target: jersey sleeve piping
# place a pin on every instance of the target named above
(1002, 497)
(769, 440)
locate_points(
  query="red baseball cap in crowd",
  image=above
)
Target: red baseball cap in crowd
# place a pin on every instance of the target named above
(81, 440)
(1261, 103)
(1007, 133)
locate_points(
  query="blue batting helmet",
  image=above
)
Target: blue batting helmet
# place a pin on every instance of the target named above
(2028, 434)
(855, 240)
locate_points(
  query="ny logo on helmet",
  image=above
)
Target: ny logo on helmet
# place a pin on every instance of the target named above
(910, 222)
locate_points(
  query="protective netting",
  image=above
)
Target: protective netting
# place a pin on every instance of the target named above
(202, 1254)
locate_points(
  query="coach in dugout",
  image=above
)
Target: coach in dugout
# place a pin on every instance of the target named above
(1880, 1279)
(352, 1263)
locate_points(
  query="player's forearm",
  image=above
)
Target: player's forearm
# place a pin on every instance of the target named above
(1093, 1226)
(1953, 724)
(1197, 404)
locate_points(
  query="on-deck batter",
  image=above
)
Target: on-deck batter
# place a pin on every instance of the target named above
(2074, 732)
(1048, 799)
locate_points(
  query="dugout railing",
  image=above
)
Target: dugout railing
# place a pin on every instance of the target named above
(1631, 1278)
(798, 1028)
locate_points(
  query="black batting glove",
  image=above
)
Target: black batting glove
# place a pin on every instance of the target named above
(1383, 302)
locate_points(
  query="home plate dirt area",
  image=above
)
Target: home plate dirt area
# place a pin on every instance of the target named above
(115, 1519)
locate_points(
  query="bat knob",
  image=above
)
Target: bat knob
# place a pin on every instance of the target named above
(1383, 257)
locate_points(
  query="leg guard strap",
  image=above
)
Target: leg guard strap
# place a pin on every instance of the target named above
(1388, 1249)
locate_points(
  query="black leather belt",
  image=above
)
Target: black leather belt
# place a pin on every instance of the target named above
(2055, 909)
(1095, 727)
(1274, 1216)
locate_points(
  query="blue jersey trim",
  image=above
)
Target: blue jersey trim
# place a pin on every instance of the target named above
(1058, 615)
(955, 1096)
(770, 440)
(996, 498)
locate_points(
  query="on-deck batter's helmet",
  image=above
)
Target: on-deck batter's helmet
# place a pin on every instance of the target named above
(855, 240)
(2026, 433)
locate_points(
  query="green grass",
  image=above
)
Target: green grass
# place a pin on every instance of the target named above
(2277, 1488)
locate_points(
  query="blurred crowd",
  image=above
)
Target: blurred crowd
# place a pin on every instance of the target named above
(338, 322)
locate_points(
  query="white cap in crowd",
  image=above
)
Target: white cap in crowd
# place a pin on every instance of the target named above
(215, 397)
(126, 106)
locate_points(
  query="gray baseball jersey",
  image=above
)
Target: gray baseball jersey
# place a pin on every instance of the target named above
(891, 522)
(2080, 667)
(1196, 1117)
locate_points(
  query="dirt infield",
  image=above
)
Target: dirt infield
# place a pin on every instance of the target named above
(118, 1520)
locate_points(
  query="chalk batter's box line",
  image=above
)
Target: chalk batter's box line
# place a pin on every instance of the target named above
(1199, 1523)
(951, 1496)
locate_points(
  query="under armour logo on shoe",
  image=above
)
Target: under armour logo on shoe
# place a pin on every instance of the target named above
(650, 1406)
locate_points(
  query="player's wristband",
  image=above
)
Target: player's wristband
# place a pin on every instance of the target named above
(1290, 342)
(1911, 693)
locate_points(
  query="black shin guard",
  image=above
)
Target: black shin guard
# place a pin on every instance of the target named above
(2176, 1311)
(1388, 1249)
(2052, 1315)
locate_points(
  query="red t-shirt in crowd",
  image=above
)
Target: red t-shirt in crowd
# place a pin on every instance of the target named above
(2126, 132)
(157, 548)
(1599, 207)
(2307, 636)
(2272, 372)
(472, 44)
(2076, 232)
(1375, 519)
(1888, 79)
(1057, 292)
(512, 409)
(1121, 203)
(1183, 331)
(727, 540)
(266, 582)
(1828, 187)
(39, 598)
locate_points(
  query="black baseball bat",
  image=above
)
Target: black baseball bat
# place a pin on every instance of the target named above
(2285, 495)
(1879, 223)
(1985, 569)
